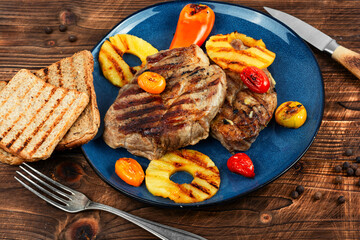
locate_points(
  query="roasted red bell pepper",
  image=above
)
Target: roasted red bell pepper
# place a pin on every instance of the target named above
(241, 163)
(194, 26)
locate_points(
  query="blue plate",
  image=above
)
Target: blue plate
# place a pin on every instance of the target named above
(295, 70)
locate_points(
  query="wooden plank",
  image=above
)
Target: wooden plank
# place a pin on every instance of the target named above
(269, 213)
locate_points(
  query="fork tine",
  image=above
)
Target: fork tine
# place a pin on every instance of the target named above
(49, 179)
(42, 189)
(40, 195)
(46, 184)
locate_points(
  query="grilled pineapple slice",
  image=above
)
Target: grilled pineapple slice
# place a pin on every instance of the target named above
(112, 64)
(220, 48)
(206, 175)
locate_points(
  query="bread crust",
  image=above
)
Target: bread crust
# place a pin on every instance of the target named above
(78, 67)
(36, 116)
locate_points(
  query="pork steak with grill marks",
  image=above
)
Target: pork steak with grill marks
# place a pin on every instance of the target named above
(149, 125)
(244, 114)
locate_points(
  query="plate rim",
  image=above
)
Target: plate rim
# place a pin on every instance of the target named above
(202, 204)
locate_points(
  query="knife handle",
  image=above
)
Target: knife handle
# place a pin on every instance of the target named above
(349, 59)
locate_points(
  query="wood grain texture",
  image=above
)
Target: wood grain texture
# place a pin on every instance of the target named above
(269, 213)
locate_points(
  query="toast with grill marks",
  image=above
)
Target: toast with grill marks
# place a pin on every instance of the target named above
(149, 125)
(75, 72)
(36, 115)
(2, 84)
(6, 157)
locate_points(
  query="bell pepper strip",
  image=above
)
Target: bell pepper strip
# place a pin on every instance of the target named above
(241, 163)
(130, 171)
(152, 82)
(194, 25)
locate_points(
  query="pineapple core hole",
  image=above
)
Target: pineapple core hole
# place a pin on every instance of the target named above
(181, 177)
(131, 60)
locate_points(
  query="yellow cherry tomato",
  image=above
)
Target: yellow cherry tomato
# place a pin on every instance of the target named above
(291, 114)
(130, 171)
(152, 82)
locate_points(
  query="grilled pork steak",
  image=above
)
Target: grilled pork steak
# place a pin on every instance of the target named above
(243, 115)
(149, 125)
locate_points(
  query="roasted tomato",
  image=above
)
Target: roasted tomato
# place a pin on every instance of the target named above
(152, 82)
(194, 26)
(291, 114)
(255, 79)
(130, 171)
(241, 163)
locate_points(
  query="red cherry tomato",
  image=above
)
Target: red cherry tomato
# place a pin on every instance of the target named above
(255, 79)
(240, 163)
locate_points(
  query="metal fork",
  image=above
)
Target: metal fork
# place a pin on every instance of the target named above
(73, 201)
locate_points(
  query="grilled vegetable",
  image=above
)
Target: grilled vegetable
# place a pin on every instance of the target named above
(112, 64)
(130, 171)
(194, 25)
(291, 114)
(255, 79)
(152, 82)
(235, 51)
(241, 163)
(206, 175)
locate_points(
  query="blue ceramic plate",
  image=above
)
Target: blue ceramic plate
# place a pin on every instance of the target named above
(295, 70)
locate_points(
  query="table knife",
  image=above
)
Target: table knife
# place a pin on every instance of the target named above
(349, 59)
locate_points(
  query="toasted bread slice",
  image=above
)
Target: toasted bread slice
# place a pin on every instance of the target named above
(75, 72)
(35, 115)
(6, 157)
(2, 85)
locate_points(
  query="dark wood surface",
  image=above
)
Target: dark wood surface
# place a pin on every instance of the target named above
(269, 213)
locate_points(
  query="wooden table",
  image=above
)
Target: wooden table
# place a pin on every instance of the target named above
(269, 213)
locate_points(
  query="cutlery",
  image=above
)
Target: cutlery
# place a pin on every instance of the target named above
(73, 201)
(349, 59)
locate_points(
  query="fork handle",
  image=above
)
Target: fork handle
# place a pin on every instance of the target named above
(161, 231)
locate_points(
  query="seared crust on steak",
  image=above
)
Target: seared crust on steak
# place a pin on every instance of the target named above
(149, 125)
(243, 115)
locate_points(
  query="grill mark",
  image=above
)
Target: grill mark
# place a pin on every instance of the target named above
(12, 109)
(46, 74)
(114, 63)
(58, 67)
(138, 125)
(261, 102)
(204, 87)
(125, 43)
(157, 57)
(88, 87)
(56, 122)
(219, 39)
(174, 127)
(201, 188)
(32, 119)
(223, 60)
(137, 102)
(206, 178)
(58, 101)
(171, 116)
(165, 67)
(139, 112)
(20, 116)
(131, 90)
(185, 191)
(191, 157)
(117, 50)
(263, 50)
(182, 101)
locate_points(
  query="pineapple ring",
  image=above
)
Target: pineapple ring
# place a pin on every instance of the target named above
(220, 49)
(112, 64)
(206, 176)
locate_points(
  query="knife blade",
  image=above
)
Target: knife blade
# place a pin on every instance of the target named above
(348, 58)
